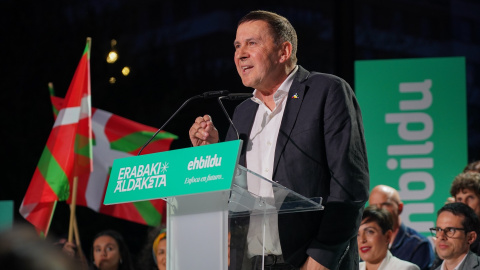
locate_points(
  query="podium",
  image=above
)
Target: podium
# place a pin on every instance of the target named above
(205, 190)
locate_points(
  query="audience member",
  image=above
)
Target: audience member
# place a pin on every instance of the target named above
(456, 229)
(405, 243)
(373, 240)
(160, 250)
(466, 189)
(110, 252)
(472, 167)
(153, 254)
(22, 249)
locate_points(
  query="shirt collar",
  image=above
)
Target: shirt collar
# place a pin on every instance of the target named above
(456, 267)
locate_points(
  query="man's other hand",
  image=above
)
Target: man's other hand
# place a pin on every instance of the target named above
(311, 264)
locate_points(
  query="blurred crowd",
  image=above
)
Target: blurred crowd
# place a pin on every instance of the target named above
(21, 248)
(384, 241)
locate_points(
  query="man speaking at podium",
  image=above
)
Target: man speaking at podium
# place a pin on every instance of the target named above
(303, 130)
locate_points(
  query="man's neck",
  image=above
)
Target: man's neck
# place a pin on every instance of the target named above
(266, 95)
(268, 100)
(450, 264)
(395, 232)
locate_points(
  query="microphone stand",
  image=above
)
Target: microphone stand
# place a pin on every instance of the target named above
(210, 94)
(171, 117)
(228, 117)
(233, 96)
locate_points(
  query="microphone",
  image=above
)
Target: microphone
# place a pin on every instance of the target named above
(234, 96)
(237, 96)
(205, 95)
(214, 94)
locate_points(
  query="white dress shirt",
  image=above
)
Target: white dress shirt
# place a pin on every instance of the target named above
(456, 267)
(260, 156)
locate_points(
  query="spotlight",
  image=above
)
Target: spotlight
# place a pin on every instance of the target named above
(112, 55)
(126, 71)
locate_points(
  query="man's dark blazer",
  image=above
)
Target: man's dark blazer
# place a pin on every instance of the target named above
(320, 152)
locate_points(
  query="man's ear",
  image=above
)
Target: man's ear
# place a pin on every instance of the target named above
(471, 237)
(400, 208)
(286, 51)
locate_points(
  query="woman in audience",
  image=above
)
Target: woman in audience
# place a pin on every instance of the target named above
(373, 239)
(110, 252)
(160, 250)
(153, 255)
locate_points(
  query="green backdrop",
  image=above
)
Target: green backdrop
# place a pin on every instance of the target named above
(414, 113)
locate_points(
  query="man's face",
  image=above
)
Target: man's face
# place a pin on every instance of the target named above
(382, 200)
(451, 248)
(257, 56)
(469, 198)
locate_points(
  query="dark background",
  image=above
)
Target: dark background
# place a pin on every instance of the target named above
(177, 49)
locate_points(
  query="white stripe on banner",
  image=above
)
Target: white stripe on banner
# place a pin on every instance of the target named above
(26, 209)
(103, 157)
(86, 110)
(67, 116)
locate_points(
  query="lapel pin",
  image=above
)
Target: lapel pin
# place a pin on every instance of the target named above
(295, 96)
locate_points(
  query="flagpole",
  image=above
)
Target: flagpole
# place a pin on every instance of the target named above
(77, 234)
(51, 217)
(72, 209)
(75, 170)
(78, 242)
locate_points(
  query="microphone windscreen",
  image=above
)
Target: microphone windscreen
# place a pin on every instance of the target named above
(214, 94)
(236, 96)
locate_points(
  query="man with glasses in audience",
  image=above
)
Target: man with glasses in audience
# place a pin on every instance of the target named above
(406, 243)
(457, 228)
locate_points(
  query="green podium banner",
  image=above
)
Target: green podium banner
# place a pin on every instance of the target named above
(173, 173)
(414, 113)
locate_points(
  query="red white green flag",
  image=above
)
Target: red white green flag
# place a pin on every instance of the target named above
(118, 137)
(68, 152)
